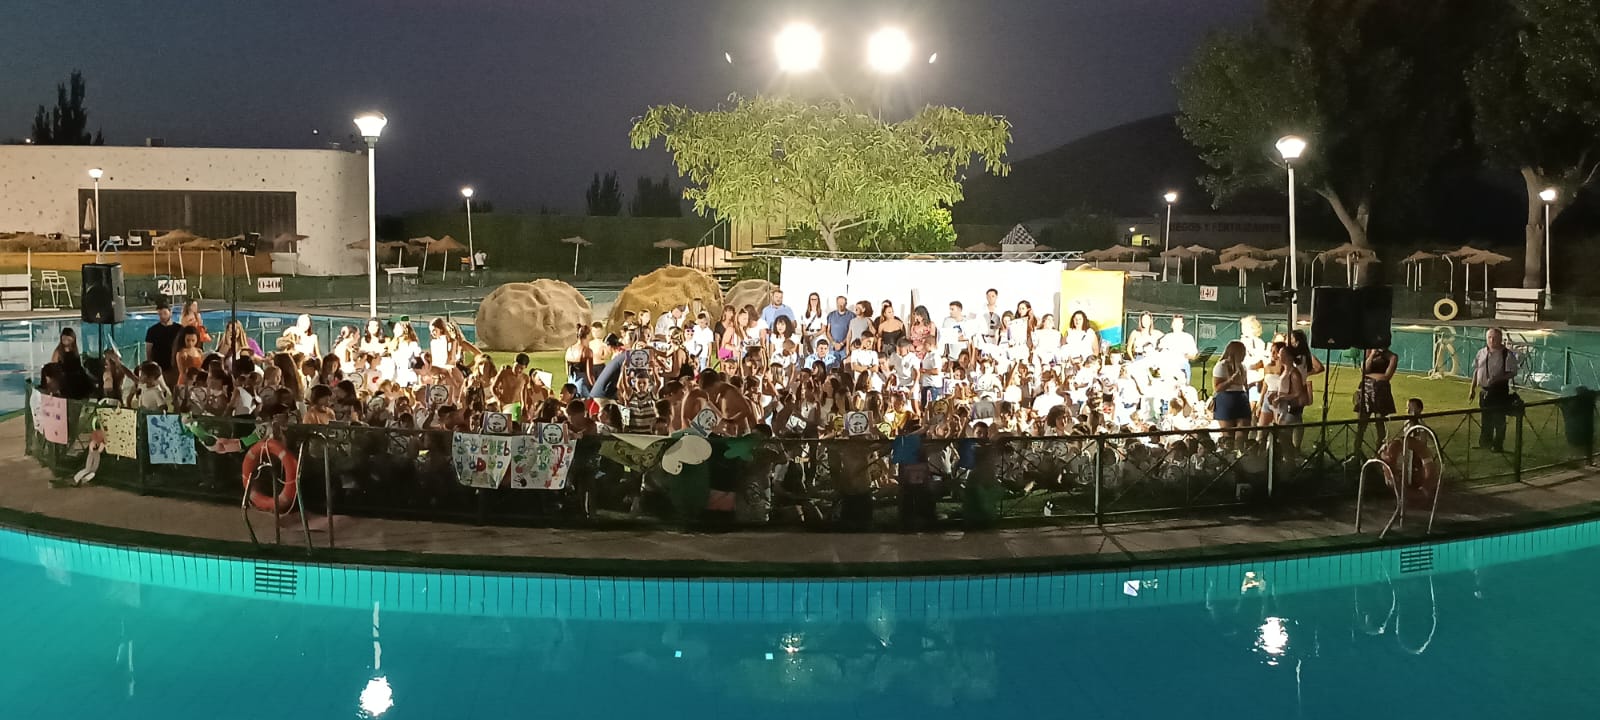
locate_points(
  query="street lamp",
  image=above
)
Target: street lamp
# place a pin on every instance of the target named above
(798, 47)
(888, 51)
(1548, 195)
(371, 125)
(472, 256)
(99, 247)
(1166, 236)
(1291, 147)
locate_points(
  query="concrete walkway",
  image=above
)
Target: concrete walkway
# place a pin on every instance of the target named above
(28, 497)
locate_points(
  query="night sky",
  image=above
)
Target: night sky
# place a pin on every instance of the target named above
(525, 99)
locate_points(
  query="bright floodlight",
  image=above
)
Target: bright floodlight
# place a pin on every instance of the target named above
(371, 124)
(1291, 147)
(799, 48)
(96, 173)
(1549, 195)
(888, 50)
(1171, 197)
(466, 192)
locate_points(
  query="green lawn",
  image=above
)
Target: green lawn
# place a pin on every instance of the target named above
(550, 361)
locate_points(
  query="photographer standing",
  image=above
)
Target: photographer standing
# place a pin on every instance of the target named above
(1492, 372)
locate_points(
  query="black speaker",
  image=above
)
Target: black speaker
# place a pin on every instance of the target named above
(1344, 318)
(102, 293)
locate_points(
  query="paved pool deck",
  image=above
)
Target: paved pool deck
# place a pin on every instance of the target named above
(28, 499)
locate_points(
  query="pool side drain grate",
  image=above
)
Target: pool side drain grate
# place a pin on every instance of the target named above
(1416, 560)
(276, 580)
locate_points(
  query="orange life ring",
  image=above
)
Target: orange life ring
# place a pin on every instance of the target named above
(291, 476)
(1424, 469)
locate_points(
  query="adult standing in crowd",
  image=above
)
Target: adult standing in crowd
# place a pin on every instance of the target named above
(1180, 346)
(777, 309)
(191, 318)
(1374, 398)
(1492, 373)
(839, 326)
(160, 342)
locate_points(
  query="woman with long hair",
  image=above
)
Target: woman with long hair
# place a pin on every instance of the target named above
(1228, 383)
(190, 317)
(66, 345)
(1142, 341)
(404, 347)
(924, 335)
(1374, 400)
(235, 342)
(330, 371)
(372, 340)
(301, 338)
(344, 349)
(189, 356)
(812, 321)
(890, 328)
(580, 362)
(288, 376)
(1082, 341)
(1047, 339)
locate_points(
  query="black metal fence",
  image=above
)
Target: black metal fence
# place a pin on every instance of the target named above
(833, 484)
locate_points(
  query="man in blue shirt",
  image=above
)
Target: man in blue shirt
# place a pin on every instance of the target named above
(605, 384)
(823, 355)
(771, 313)
(839, 326)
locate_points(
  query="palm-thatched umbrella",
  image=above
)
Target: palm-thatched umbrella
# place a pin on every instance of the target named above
(1303, 257)
(202, 245)
(1485, 258)
(171, 242)
(1196, 252)
(420, 244)
(1413, 263)
(669, 245)
(1243, 264)
(444, 246)
(1241, 250)
(292, 242)
(577, 244)
(1460, 253)
(1180, 254)
(980, 248)
(398, 247)
(1352, 256)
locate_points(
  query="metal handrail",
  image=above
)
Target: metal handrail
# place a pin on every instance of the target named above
(1406, 456)
(1361, 487)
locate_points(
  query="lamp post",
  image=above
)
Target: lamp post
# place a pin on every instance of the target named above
(472, 256)
(1166, 235)
(100, 247)
(1548, 195)
(371, 125)
(1291, 147)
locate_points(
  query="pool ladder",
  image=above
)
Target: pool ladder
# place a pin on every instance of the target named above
(1406, 456)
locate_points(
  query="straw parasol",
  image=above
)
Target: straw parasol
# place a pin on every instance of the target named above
(577, 244)
(1352, 256)
(1413, 264)
(1195, 253)
(202, 245)
(1460, 253)
(669, 245)
(1243, 264)
(1242, 250)
(980, 248)
(1485, 258)
(444, 246)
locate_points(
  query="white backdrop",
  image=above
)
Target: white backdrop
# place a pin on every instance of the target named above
(933, 283)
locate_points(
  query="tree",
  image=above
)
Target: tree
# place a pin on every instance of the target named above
(1531, 125)
(1362, 80)
(68, 123)
(604, 195)
(653, 199)
(825, 167)
(1562, 41)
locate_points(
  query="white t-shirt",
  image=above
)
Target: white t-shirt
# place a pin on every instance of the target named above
(1223, 371)
(905, 369)
(1178, 343)
(930, 370)
(864, 358)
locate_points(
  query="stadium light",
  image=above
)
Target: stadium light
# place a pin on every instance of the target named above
(798, 48)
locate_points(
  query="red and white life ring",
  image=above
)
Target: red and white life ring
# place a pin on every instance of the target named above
(291, 476)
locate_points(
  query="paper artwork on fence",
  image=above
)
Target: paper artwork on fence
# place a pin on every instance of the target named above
(486, 461)
(539, 465)
(481, 460)
(121, 426)
(50, 417)
(169, 442)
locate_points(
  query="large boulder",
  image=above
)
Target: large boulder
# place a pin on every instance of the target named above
(538, 315)
(754, 292)
(663, 288)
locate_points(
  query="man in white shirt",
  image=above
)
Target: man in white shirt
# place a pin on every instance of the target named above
(932, 381)
(862, 357)
(907, 369)
(1492, 372)
(991, 314)
(701, 340)
(1180, 348)
(669, 320)
(952, 332)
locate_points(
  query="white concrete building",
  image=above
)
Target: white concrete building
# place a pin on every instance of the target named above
(211, 192)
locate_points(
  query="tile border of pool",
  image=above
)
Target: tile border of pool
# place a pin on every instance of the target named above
(797, 598)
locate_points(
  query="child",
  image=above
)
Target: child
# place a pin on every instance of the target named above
(320, 411)
(640, 397)
(151, 393)
(910, 458)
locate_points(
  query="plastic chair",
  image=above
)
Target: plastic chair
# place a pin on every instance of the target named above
(53, 282)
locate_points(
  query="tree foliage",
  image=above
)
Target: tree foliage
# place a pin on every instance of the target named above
(604, 196)
(1527, 114)
(1364, 81)
(68, 122)
(826, 167)
(655, 199)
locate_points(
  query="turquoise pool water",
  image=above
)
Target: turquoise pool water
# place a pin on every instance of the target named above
(25, 345)
(1494, 628)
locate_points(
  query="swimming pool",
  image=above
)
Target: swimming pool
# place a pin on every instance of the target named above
(25, 345)
(1489, 628)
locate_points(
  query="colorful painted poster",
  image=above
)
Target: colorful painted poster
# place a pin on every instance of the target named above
(1098, 293)
(121, 426)
(538, 464)
(481, 461)
(50, 417)
(170, 443)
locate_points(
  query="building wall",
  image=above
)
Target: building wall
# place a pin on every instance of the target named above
(39, 187)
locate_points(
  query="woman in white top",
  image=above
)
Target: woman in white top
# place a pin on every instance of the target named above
(1047, 338)
(1231, 404)
(442, 350)
(405, 347)
(1082, 342)
(782, 331)
(303, 338)
(1142, 341)
(1256, 354)
(812, 321)
(345, 349)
